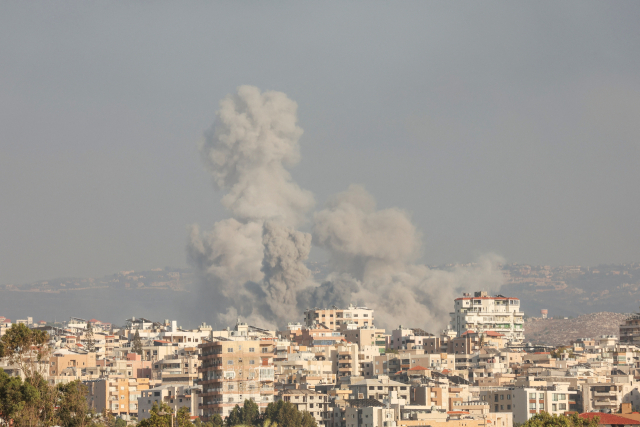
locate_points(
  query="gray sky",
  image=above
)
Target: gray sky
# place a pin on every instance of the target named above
(503, 127)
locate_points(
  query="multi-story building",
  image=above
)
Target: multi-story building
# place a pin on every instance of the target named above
(630, 330)
(380, 389)
(116, 394)
(62, 359)
(174, 395)
(234, 371)
(311, 401)
(482, 313)
(334, 317)
(525, 402)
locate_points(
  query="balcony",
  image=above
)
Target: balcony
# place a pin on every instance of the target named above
(605, 403)
(604, 393)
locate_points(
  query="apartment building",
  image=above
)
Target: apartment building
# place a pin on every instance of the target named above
(379, 389)
(610, 395)
(316, 404)
(233, 371)
(366, 413)
(116, 394)
(175, 395)
(630, 330)
(334, 317)
(483, 313)
(178, 367)
(63, 359)
(525, 402)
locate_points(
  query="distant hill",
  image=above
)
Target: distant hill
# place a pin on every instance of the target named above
(176, 294)
(563, 331)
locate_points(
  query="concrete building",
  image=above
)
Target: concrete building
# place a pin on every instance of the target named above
(630, 330)
(233, 371)
(174, 395)
(334, 317)
(317, 404)
(116, 394)
(525, 402)
(483, 313)
(380, 389)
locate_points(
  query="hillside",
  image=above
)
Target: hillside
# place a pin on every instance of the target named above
(563, 331)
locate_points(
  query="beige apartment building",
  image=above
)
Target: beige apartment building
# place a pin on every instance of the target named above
(334, 317)
(175, 395)
(116, 394)
(316, 404)
(63, 359)
(234, 371)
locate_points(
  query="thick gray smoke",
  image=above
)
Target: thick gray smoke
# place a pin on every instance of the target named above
(377, 249)
(253, 264)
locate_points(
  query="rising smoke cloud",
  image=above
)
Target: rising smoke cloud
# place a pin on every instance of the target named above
(252, 265)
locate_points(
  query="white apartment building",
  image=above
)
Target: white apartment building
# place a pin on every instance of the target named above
(176, 396)
(333, 317)
(483, 313)
(525, 402)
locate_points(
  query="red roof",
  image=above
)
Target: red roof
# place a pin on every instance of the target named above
(608, 419)
(418, 368)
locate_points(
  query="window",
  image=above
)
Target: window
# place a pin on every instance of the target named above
(230, 350)
(502, 397)
(252, 362)
(562, 406)
(541, 406)
(496, 397)
(508, 397)
(501, 407)
(532, 395)
(532, 405)
(252, 349)
(496, 408)
(554, 407)
(508, 407)
(229, 362)
(541, 396)
(555, 397)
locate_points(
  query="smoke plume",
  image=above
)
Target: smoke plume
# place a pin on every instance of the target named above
(252, 265)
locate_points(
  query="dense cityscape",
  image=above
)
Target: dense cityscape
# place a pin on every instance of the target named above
(335, 367)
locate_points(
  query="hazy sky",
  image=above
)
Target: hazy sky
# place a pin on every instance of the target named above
(504, 127)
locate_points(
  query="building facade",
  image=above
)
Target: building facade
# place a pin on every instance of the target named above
(234, 371)
(482, 313)
(334, 317)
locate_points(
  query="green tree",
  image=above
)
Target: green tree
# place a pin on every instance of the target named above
(91, 343)
(160, 416)
(183, 417)
(136, 345)
(250, 413)
(28, 403)
(73, 407)
(235, 417)
(26, 348)
(544, 419)
(286, 414)
(216, 420)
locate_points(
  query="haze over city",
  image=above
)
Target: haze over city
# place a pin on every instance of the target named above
(497, 128)
(319, 214)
